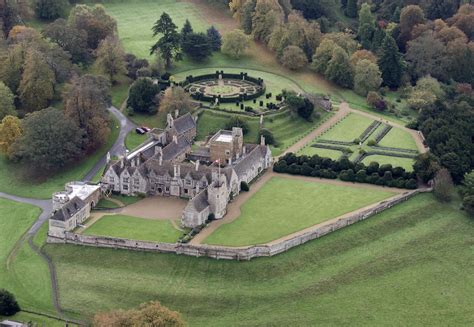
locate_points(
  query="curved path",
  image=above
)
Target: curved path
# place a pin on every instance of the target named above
(46, 209)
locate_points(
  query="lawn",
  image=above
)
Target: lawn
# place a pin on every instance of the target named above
(394, 161)
(134, 228)
(25, 274)
(348, 129)
(36, 320)
(133, 140)
(324, 153)
(410, 265)
(12, 179)
(398, 138)
(284, 206)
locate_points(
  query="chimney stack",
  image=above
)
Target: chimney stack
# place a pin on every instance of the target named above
(197, 165)
(160, 160)
(262, 140)
(122, 163)
(175, 173)
(176, 113)
(108, 156)
(244, 149)
(175, 139)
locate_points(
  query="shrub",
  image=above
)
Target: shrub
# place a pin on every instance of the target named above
(468, 204)
(356, 141)
(244, 186)
(211, 217)
(269, 138)
(443, 187)
(8, 305)
(237, 122)
(371, 143)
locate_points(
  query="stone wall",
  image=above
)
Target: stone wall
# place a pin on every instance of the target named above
(234, 253)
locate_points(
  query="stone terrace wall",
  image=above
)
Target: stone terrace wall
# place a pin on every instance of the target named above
(234, 253)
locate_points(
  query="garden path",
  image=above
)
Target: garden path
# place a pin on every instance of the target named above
(233, 209)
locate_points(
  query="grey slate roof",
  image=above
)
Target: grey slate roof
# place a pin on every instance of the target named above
(254, 154)
(69, 209)
(199, 202)
(184, 123)
(173, 149)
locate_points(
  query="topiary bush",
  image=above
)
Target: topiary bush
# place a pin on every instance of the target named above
(244, 187)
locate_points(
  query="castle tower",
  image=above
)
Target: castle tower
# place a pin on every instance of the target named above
(217, 196)
(238, 141)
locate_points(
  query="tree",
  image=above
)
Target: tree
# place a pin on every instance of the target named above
(390, 63)
(11, 67)
(94, 21)
(86, 101)
(293, 58)
(50, 141)
(441, 9)
(268, 135)
(215, 38)
(111, 58)
(267, 15)
(7, 106)
(186, 30)
(425, 93)
(169, 43)
(148, 314)
(323, 55)
(443, 187)
(367, 26)
(176, 98)
(10, 131)
(8, 304)
(142, 95)
(236, 121)
(339, 69)
(197, 46)
(468, 204)
(69, 38)
(361, 55)
(468, 183)
(367, 77)
(302, 106)
(235, 43)
(410, 16)
(50, 9)
(426, 165)
(37, 83)
(426, 55)
(246, 15)
(351, 8)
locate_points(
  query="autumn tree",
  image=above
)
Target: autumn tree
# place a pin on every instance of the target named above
(7, 105)
(246, 16)
(94, 21)
(235, 43)
(170, 41)
(362, 55)
(50, 141)
(367, 77)
(71, 39)
(293, 58)
(86, 101)
(267, 15)
(36, 88)
(390, 63)
(148, 314)
(425, 93)
(12, 65)
(339, 70)
(443, 187)
(410, 16)
(10, 131)
(323, 55)
(50, 9)
(111, 58)
(176, 98)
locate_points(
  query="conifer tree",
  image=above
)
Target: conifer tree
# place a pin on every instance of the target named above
(390, 63)
(351, 8)
(186, 30)
(170, 42)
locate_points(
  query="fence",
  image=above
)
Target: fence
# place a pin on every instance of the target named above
(235, 253)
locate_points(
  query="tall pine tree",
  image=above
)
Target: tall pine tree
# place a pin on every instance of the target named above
(351, 8)
(169, 44)
(390, 63)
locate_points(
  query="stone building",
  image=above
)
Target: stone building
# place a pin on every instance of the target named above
(72, 207)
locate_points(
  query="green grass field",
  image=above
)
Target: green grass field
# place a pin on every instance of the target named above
(133, 140)
(23, 273)
(324, 153)
(398, 138)
(135, 19)
(411, 265)
(284, 206)
(134, 228)
(12, 180)
(394, 161)
(348, 129)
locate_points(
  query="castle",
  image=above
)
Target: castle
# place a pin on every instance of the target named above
(169, 165)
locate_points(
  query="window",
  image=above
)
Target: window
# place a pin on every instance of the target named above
(125, 187)
(227, 152)
(185, 191)
(125, 179)
(136, 180)
(111, 180)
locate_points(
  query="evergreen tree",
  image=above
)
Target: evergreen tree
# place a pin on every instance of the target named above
(390, 63)
(246, 15)
(339, 69)
(50, 9)
(366, 26)
(197, 46)
(142, 96)
(186, 30)
(351, 8)
(377, 39)
(215, 38)
(8, 305)
(169, 43)
(396, 15)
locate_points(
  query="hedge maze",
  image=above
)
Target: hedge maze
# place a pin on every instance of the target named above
(338, 138)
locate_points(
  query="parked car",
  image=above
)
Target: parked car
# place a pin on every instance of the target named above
(140, 131)
(145, 128)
